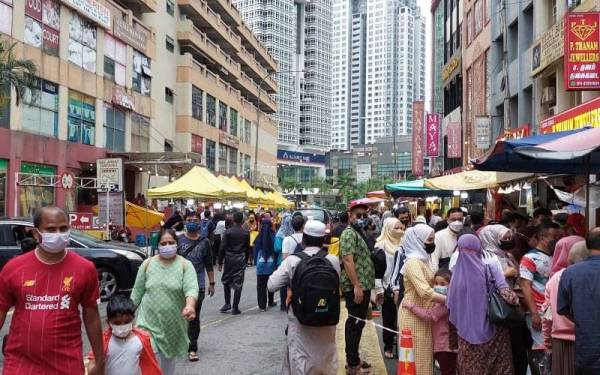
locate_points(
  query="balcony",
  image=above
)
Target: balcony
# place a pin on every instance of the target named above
(211, 24)
(251, 43)
(253, 92)
(228, 12)
(257, 71)
(141, 6)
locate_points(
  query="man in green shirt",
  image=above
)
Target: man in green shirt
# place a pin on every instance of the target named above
(357, 280)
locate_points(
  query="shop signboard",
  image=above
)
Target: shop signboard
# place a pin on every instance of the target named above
(363, 172)
(130, 34)
(116, 208)
(110, 172)
(586, 114)
(482, 132)
(454, 140)
(81, 220)
(548, 49)
(433, 134)
(417, 139)
(229, 140)
(582, 51)
(300, 157)
(93, 10)
(122, 99)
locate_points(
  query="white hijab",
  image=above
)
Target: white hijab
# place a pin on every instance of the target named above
(414, 242)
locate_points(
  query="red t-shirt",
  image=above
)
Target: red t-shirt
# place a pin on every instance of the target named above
(45, 332)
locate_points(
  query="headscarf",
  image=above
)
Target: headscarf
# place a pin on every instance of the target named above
(389, 239)
(413, 243)
(265, 242)
(560, 259)
(286, 226)
(467, 293)
(490, 236)
(577, 223)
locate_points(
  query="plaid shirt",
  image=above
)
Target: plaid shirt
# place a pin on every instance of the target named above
(352, 243)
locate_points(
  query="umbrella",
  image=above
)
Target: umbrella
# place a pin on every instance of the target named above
(366, 201)
(377, 194)
(413, 189)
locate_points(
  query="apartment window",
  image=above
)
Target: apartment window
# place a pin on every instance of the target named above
(247, 130)
(233, 122)
(142, 75)
(82, 43)
(223, 116)
(247, 166)
(478, 17)
(572, 4)
(42, 25)
(140, 133)
(81, 118)
(210, 154)
(211, 110)
(468, 28)
(223, 151)
(40, 109)
(6, 16)
(233, 156)
(170, 7)
(169, 95)
(114, 127)
(115, 60)
(197, 101)
(196, 144)
(169, 44)
(4, 109)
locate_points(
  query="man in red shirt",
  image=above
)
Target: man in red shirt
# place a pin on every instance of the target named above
(46, 287)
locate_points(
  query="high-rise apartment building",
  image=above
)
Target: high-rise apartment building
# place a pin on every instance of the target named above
(297, 33)
(378, 69)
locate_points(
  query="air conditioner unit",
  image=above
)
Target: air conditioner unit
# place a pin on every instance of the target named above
(549, 95)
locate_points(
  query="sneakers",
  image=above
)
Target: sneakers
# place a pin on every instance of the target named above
(225, 309)
(235, 311)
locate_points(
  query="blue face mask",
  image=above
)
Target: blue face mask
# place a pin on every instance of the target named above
(360, 222)
(440, 289)
(191, 226)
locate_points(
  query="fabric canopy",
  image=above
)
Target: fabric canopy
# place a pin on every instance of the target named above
(258, 196)
(578, 197)
(138, 216)
(472, 180)
(377, 194)
(366, 201)
(252, 196)
(504, 156)
(414, 188)
(198, 183)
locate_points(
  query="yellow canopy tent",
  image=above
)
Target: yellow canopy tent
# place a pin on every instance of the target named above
(265, 200)
(286, 203)
(139, 217)
(472, 180)
(260, 196)
(198, 183)
(253, 196)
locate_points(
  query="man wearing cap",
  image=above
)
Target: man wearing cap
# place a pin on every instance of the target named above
(310, 350)
(357, 280)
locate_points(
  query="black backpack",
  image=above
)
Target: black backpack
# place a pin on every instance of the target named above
(299, 248)
(379, 262)
(316, 291)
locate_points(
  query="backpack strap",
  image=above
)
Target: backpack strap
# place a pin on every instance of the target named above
(302, 255)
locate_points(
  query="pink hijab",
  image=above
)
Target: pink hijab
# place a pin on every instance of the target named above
(560, 260)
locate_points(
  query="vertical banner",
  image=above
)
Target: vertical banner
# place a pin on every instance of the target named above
(582, 51)
(454, 140)
(482, 132)
(433, 134)
(417, 139)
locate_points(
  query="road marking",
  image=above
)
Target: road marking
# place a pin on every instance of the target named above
(218, 321)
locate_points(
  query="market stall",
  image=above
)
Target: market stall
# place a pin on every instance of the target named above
(473, 180)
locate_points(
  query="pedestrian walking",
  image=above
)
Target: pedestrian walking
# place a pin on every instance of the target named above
(445, 239)
(219, 221)
(310, 349)
(165, 293)
(417, 245)
(265, 261)
(443, 351)
(251, 225)
(534, 274)
(559, 331)
(483, 348)
(47, 287)
(578, 299)
(389, 241)
(357, 281)
(128, 349)
(285, 230)
(232, 256)
(197, 249)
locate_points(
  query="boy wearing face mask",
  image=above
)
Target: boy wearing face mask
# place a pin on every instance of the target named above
(445, 240)
(128, 350)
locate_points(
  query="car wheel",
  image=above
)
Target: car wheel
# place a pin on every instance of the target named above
(108, 283)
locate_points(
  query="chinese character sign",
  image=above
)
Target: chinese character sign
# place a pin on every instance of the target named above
(417, 139)
(454, 139)
(582, 51)
(433, 134)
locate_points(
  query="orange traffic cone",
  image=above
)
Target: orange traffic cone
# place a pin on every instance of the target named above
(406, 354)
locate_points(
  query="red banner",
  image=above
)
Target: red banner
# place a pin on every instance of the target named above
(433, 134)
(417, 139)
(582, 51)
(586, 114)
(454, 140)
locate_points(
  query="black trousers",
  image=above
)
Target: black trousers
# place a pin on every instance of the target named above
(194, 325)
(237, 295)
(283, 297)
(216, 243)
(520, 342)
(389, 316)
(261, 291)
(355, 327)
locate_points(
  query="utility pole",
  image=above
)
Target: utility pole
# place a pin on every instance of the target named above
(504, 25)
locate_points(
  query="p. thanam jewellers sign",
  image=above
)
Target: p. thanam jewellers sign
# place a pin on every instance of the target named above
(300, 157)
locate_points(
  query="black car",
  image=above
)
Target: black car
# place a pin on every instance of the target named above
(117, 263)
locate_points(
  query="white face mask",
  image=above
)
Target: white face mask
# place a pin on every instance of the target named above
(456, 226)
(54, 242)
(121, 331)
(167, 251)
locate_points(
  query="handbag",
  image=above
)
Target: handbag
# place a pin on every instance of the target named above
(499, 311)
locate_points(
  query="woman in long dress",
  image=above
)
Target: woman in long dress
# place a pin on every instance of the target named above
(418, 243)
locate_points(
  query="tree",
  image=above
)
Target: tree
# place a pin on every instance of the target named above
(18, 73)
(346, 186)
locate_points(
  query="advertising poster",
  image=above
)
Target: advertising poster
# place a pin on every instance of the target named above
(454, 140)
(433, 134)
(582, 51)
(417, 139)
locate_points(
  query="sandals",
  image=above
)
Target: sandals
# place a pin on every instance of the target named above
(193, 357)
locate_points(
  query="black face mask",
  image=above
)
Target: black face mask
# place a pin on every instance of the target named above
(507, 244)
(429, 247)
(405, 222)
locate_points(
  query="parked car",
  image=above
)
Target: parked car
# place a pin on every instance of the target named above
(319, 214)
(117, 263)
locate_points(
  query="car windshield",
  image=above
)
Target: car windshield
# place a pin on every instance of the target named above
(314, 215)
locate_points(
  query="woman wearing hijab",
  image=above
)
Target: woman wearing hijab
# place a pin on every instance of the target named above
(496, 240)
(483, 348)
(265, 261)
(389, 241)
(417, 245)
(285, 229)
(559, 331)
(251, 226)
